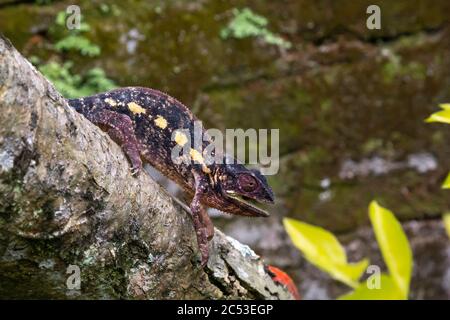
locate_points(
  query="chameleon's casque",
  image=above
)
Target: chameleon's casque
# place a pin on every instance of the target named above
(148, 124)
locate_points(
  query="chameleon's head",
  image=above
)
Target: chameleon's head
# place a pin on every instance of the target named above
(242, 188)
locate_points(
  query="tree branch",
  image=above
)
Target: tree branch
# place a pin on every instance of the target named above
(67, 198)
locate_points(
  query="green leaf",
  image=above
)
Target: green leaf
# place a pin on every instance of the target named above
(60, 19)
(446, 220)
(246, 23)
(322, 249)
(74, 85)
(444, 117)
(387, 290)
(393, 245)
(446, 184)
(78, 43)
(441, 116)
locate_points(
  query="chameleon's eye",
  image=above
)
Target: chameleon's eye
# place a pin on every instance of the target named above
(248, 183)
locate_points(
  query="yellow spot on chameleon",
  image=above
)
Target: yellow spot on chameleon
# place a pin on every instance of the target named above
(180, 138)
(205, 169)
(135, 108)
(196, 156)
(111, 102)
(161, 122)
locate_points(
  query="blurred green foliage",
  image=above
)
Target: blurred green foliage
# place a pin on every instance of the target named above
(446, 184)
(442, 116)
(322, 249)
(72, 85)
(73, 39)
(78, 43)
(395, 67)
(246, 24)
(393, 244)
(389, 291)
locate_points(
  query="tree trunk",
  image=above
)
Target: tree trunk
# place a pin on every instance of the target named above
(74, 223)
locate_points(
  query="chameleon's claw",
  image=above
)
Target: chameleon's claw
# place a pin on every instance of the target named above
(135, 171)
(132, 151)
(136, 165)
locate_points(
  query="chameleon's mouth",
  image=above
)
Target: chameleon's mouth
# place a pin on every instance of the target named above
(248, 204)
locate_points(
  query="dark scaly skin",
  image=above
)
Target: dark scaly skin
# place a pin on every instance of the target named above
(141, 121)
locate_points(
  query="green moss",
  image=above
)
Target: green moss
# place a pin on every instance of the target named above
(416, 70)
(246, 24)
(372, 145)
(73, 85)
(395, 68)
(326, 105)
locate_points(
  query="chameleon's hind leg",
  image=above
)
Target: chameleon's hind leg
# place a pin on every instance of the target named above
(120, 128)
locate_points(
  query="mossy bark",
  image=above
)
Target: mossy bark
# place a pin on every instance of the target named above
(67, 198)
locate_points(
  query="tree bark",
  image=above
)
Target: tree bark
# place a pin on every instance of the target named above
(69, 203)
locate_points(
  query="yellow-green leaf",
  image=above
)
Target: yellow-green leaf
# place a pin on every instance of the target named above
(393, 244)
(447, 222)
(445, 106)
(322, 249)
(440, 116)
(446, 184)
(387, 290)
(350, 271)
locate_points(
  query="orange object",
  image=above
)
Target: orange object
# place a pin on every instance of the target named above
(282, 278)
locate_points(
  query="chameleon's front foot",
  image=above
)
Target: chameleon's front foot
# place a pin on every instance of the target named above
(203, 226)
(136, 169)
(203, 229)
(202, 238)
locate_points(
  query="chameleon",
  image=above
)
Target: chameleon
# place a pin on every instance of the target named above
(146, 123)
